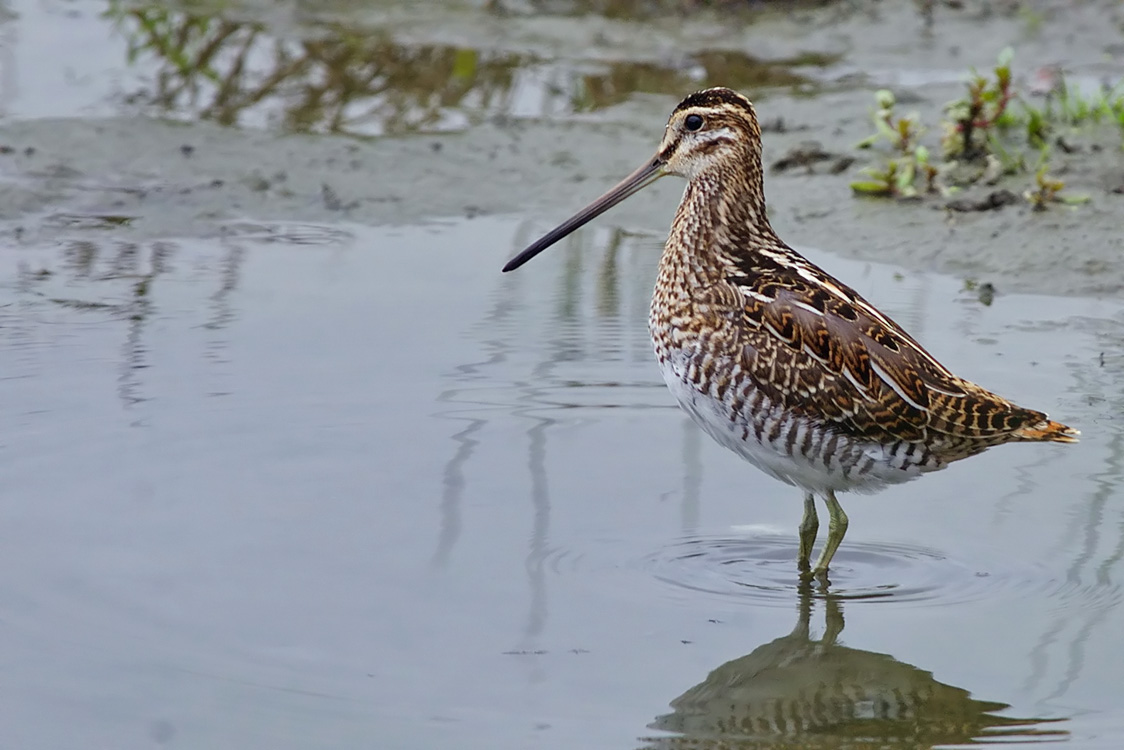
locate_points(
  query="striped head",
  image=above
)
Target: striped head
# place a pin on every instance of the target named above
(712, 134)
(715, 129)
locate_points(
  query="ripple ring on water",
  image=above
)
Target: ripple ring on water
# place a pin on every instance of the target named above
(761, 569)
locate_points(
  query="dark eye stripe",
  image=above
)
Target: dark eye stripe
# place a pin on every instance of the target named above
(707, 146)
(667, 152)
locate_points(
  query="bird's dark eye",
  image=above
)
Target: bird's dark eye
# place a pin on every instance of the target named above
(693, 122)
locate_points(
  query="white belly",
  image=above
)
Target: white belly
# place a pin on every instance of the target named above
(795, 451)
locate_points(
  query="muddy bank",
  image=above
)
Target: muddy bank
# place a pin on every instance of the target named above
(556, 122)
(146, 179)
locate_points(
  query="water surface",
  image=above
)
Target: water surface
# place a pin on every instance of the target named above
(309, 486)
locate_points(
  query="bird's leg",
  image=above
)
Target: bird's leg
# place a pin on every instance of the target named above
(809, 526)
(833, 620)
(836, 528)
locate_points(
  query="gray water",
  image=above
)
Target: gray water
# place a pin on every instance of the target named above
(358, 488)
(343, 484)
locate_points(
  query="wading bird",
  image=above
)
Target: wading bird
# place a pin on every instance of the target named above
(776, 359)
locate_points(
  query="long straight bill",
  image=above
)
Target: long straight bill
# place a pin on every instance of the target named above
(635, 182)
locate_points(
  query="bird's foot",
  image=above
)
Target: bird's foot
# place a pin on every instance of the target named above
(805, 569)
(818, 575)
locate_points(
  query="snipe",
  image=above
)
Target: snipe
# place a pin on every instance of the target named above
(777, 360)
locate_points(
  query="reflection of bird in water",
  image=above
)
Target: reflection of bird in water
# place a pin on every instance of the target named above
(777, 360)
(796, 692)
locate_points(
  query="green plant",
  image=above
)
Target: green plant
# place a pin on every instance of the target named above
(901, 132)
(1069, 105)
(898, 177)
(980, 138)
(972, 121)
(1048, 190)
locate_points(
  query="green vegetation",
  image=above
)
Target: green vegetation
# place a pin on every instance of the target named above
(993, 132)
(1047, 190)
(900, 175)
(973, 123)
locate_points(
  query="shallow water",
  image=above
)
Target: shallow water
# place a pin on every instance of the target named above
(330, 74)
(327, 484)
(319, 486)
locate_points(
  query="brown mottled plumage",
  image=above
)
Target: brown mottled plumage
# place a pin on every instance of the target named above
(776, 359)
